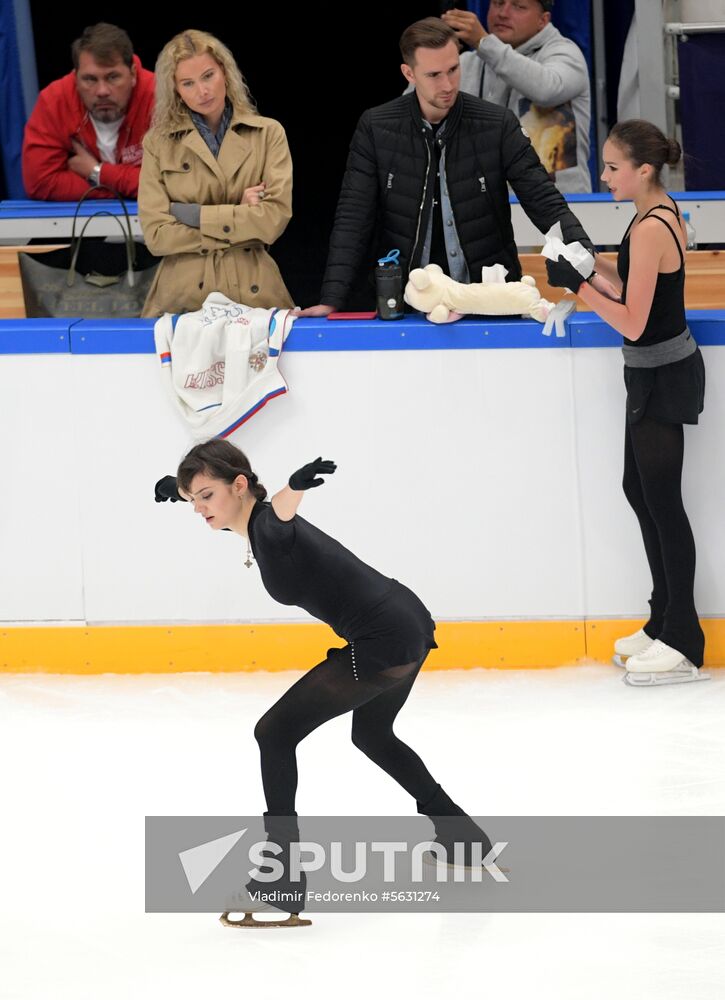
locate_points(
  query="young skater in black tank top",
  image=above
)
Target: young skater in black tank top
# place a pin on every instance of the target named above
(642, 296)
(387, 629)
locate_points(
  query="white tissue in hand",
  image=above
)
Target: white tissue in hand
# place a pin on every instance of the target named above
(495, 274)
(577, 255)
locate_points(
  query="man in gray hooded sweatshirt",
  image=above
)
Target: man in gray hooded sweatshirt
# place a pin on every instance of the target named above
(524, 63)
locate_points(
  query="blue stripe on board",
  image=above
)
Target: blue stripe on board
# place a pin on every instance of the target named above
(415, 333)
(35, 336)
(28, 208)
(113, 336)
(708, 326)
(606, 196)
(136, 336)
(588, 330)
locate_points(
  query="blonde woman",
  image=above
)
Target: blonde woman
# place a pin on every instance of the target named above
(216, 183)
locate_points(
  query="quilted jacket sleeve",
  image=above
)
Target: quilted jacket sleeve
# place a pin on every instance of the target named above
(355, 217)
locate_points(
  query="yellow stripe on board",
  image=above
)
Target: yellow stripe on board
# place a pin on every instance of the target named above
(137, 649)
(601, 633)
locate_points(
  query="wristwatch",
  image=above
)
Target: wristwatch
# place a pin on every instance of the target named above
(591, 277)
(94, 178)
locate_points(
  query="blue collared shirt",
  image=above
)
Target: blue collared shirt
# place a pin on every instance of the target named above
(457, 267)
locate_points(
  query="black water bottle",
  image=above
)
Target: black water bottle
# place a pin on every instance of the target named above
(389, 286)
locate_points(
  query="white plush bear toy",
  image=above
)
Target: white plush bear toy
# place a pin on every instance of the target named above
(444, 300)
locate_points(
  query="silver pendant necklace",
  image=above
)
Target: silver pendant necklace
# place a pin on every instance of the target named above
(249, 561)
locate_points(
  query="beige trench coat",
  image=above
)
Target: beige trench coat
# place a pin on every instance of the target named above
(228, 252)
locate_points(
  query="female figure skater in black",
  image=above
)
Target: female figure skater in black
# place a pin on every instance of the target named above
(387, 629)
(642, 296)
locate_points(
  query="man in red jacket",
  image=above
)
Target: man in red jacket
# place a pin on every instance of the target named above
(87, 128)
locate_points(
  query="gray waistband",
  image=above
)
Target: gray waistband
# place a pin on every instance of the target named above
(654, 355)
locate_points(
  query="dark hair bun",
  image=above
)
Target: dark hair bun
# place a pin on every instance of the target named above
(643, 142)
(674, 152)
(219, 459)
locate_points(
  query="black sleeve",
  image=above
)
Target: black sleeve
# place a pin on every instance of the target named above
(540, 198)
(355, 217)
(270, 530)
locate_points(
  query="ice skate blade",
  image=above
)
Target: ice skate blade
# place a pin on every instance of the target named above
(680, 675)
(294, 920)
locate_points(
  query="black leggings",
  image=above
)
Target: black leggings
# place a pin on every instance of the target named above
(653, 453)
(328, 690)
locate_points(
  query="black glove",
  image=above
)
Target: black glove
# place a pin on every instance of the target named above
(562, 274)
(304, 478)
(166, 489)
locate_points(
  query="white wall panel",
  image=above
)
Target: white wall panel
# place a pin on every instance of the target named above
(617, 580)
(487, 481)
(40, 553)
(439, 455)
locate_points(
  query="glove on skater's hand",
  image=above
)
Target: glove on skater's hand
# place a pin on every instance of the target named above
(562, 274)
(166, 489)
(304, 478)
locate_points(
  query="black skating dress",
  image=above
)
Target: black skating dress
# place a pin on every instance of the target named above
(383, 622)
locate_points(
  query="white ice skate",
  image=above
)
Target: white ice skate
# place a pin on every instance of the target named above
(242, 902)
(661, 664)
(630, 645)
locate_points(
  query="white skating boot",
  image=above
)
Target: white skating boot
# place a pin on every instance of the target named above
(242, 902)
(630, 645)
(281, 831)
(661, 664)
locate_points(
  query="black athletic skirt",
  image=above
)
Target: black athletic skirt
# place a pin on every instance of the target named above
(398, 631)
(673, 394)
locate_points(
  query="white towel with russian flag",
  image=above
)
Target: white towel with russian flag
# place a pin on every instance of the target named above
(220, 362)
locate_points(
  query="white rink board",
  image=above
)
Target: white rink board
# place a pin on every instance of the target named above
(617, 580)
(427, 484)
(486, 480)
(41, 576)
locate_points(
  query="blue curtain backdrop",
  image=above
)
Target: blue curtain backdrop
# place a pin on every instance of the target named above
(702, 96)
(617, 20)
(18, 86)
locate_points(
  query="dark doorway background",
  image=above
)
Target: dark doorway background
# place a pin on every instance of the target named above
(315, 68)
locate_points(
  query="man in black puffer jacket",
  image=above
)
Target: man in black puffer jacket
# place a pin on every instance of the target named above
(427, 174)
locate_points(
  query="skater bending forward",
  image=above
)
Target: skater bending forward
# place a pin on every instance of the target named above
(387, 631)
(642, 296)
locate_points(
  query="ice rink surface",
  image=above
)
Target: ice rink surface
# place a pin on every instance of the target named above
(85, 759)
